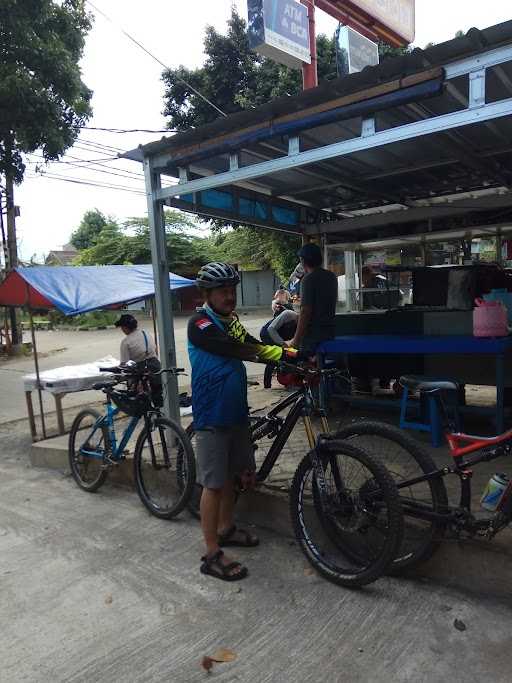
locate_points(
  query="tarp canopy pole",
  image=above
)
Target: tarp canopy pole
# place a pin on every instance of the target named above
(36, 363)
(153, 315)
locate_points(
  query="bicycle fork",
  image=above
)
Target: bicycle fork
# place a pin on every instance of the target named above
(320, 463)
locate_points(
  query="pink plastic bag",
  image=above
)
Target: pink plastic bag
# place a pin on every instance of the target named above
(489, 319)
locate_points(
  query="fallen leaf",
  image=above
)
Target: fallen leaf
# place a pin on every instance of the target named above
(308, 571)
(459, 625)
(223, 655)
(207, 663)
(108, 600)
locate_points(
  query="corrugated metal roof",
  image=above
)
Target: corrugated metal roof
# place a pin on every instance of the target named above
(475, 41)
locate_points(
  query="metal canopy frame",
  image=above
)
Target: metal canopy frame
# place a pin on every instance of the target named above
(277, 167)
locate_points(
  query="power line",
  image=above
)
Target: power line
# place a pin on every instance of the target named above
(98, 170)
(83, 163)
(130, 130)
(99, 145)
(92, 183)
(136, 42)
(89, 161)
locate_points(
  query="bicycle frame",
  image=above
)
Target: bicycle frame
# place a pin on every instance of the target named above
(486, 449)
(301, 403)
(112, 450)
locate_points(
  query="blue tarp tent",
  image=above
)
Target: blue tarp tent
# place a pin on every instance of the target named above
(78, 289)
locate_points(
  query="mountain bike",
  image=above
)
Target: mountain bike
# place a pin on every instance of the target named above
(163, 460)
(343, 504)
(423, 497)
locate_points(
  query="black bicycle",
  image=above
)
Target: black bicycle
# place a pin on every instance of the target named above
(424, 498)
(163, 460)
(343, 504)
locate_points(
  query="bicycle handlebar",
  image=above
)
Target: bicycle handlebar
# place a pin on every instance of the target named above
(136, 372)
(305, 371)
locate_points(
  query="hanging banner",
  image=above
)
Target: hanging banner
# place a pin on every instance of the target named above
(279, 29)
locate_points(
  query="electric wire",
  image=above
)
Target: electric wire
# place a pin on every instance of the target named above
(141, 46)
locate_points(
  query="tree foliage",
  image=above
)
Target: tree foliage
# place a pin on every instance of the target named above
(234, 77)
(91, 226)
(43, 99)
(129, 243)
(255, 249)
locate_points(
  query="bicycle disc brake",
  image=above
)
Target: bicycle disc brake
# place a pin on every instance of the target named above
(344, 506)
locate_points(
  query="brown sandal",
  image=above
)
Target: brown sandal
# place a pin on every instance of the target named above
(214, 567)
(226, 538)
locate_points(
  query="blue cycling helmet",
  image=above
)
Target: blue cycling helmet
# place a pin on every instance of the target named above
(216, 274)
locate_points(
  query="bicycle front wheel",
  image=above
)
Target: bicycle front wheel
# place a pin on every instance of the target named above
(88, 441)
(164, 468)
(350, 525)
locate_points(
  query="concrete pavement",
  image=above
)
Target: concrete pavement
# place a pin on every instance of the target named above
(94, 589)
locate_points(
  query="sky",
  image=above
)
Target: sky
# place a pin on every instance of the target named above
(128, 93)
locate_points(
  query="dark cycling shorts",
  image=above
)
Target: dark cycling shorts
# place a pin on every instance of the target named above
(223, 453)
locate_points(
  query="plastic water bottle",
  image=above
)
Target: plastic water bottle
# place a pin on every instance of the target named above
(494, 491)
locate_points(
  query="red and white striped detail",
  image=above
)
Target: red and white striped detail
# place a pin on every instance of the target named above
(202, 323)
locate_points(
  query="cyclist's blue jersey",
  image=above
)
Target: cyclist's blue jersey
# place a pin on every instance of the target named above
(217, 350)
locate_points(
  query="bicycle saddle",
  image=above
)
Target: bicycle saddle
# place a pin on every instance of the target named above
(427, 384)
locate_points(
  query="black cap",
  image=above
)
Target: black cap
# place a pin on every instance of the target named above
(127, 320)
(311, 253)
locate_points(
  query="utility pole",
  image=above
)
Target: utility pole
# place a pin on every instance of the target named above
(309, 71)
(12, 250)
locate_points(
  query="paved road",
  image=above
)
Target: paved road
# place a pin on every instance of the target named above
(60, 348)
(93, 589)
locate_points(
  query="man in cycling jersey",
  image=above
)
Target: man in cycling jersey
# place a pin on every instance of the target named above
(218, 345)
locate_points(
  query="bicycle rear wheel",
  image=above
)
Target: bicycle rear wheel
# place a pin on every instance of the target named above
(164, 468)
(350, 532)
(405, 459)
(87, 445)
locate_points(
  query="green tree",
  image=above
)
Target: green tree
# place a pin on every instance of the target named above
(234, 77)
(91, 226)
(130, 244)
(44, 102)
(387, 51)
(253, 248)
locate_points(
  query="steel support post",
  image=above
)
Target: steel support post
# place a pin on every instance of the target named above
(163, 302)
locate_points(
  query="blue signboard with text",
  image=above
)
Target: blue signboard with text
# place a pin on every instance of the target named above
(279, 29)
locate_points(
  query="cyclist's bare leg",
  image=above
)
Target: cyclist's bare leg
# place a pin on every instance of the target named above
(227, 527)
(227, 507)
(211, 505)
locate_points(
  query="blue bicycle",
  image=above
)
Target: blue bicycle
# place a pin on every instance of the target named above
(163, 459)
